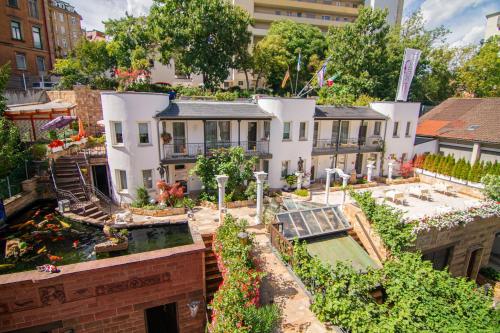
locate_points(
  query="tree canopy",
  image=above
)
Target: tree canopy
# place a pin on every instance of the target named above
(282, 45)
(204, 36)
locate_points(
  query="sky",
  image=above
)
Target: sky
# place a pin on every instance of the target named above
(466, 19)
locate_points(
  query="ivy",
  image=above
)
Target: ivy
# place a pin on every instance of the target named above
(387, 221)
(235, 304)
(413, 297)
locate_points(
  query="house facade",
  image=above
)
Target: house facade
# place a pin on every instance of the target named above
(151, 138)
(463, 127)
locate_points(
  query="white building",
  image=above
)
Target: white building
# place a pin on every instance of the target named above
(394, 7)
(144, 131)
(492, 25)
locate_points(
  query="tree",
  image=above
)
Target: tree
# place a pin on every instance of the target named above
(288, 39)
(205, 36)
(11, 148)
(132, 43)
(231, 162)
(269, 48)
(4, 78)
(480, 75)
(87, 64)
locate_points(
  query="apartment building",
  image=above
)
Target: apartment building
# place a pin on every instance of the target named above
(492, 25)
(65, 28)
(164, 139)
(93, 35)
(24, 42)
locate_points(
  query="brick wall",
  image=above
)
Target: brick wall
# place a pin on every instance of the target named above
(108, 295)
(88, 104)
(479, 234)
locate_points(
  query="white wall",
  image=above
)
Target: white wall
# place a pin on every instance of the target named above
(166, 73)
(395, 8)
(295, 111)
(402, 113)
(130, 109)
(430, 147)
(492, 26)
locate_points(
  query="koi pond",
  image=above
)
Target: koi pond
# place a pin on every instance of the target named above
(39, 236)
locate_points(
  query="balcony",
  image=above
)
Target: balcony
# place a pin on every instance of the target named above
(347, 146)
(180, 152)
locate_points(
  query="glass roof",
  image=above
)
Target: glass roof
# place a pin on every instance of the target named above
(311, 222)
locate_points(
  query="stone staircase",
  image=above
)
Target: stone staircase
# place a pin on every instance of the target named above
(213, 277)
(67, 179)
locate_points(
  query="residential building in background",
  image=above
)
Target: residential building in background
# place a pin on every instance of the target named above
(394, 7)
(492, 25)
(24, 42)
(93, 35)
(463, 127)
(65, 28)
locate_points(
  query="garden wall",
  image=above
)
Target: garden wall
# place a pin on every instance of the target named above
(461, 188)
(34, 189)
(108, 295)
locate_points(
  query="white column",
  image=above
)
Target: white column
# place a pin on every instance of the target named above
(369, 174)
(221, 184)
(476, 153)
(329, 173)
(261, 177)
(345, 178)
(390, 165)
(299, 175)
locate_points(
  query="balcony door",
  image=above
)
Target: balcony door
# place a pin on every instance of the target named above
(362, 133)
(179, 137)
(344, 132)
(218, 134)
(252, 135)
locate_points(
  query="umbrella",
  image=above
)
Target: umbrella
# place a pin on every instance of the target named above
(81, 130)
(58, 122)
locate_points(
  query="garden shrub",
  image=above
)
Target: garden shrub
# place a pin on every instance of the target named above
(38, 151)
(236, 304)
(490, 273)
(142, 198)
(302, 192)
(225, 96)
(491, 187)
(251, 191)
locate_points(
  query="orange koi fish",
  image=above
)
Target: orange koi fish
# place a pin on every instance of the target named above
(54, 258)
(76, 243)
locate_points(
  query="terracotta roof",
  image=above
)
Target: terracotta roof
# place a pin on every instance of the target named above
(470, 119)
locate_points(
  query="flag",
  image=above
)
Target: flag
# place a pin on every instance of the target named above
(408, 68)
(285, 79)
(299, 62)
(321, 75)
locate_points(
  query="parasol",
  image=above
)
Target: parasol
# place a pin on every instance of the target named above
(58, 122)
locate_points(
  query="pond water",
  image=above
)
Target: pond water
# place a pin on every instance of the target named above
(46, 238)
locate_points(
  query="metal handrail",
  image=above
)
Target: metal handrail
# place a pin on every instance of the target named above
(90, 190)
(74, 201)
(181, 148)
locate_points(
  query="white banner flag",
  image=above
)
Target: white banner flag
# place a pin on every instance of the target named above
(408, 68)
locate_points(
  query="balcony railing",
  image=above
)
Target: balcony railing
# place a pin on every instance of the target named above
(347, 145)
(182, 150)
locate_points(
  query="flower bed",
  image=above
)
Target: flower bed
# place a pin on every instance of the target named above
(158, 212)
(355, 186)
(240, 203)
(235, 307)
(296, 197)
(455, 218)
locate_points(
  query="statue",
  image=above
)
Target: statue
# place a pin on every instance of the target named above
(161, 169)
(300, 165)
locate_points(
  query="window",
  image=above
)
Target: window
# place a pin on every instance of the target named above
(376, 129)
(284, 169)
(278, 12)
(240, 83)
(408, 126)
(218, 132)
(117, 129)
(303, 130)
(395, 129)
(61, 17)
(20, 61)
(15, 28)
(265, 166)
(287, 130)
(147, 178)
(13, 3)
(37, 37)
(33, 8)
(143, 133)
(62, 29)
(316, 134)
(75, 34)
(326, 17)
(40, 63)
(299, 14)
(73, 20)
(267, 129)
(344, 132)
(121, 180)
(64, 43)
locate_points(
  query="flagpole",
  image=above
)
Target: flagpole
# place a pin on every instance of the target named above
(307, 84)
(298, 70)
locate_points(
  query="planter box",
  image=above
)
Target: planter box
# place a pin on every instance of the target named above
(402, 181)
(240, 203)
(494, 284)
(109, 246)
(159, 212)
(56, 149)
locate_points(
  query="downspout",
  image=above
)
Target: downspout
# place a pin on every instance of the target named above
(381, 171)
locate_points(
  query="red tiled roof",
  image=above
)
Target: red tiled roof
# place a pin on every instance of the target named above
(471, 119)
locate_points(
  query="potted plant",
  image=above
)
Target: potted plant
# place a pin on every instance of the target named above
(291, 181)
(189, 205)
(166, 137)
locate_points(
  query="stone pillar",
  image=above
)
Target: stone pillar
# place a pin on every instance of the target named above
(476, 153)
(345, 178)
(369, 174)
(221, 184)
(390, 166)
(329, 173)
(299, 175)
(261, 177)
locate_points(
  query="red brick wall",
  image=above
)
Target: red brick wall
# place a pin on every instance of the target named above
(90, 297)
